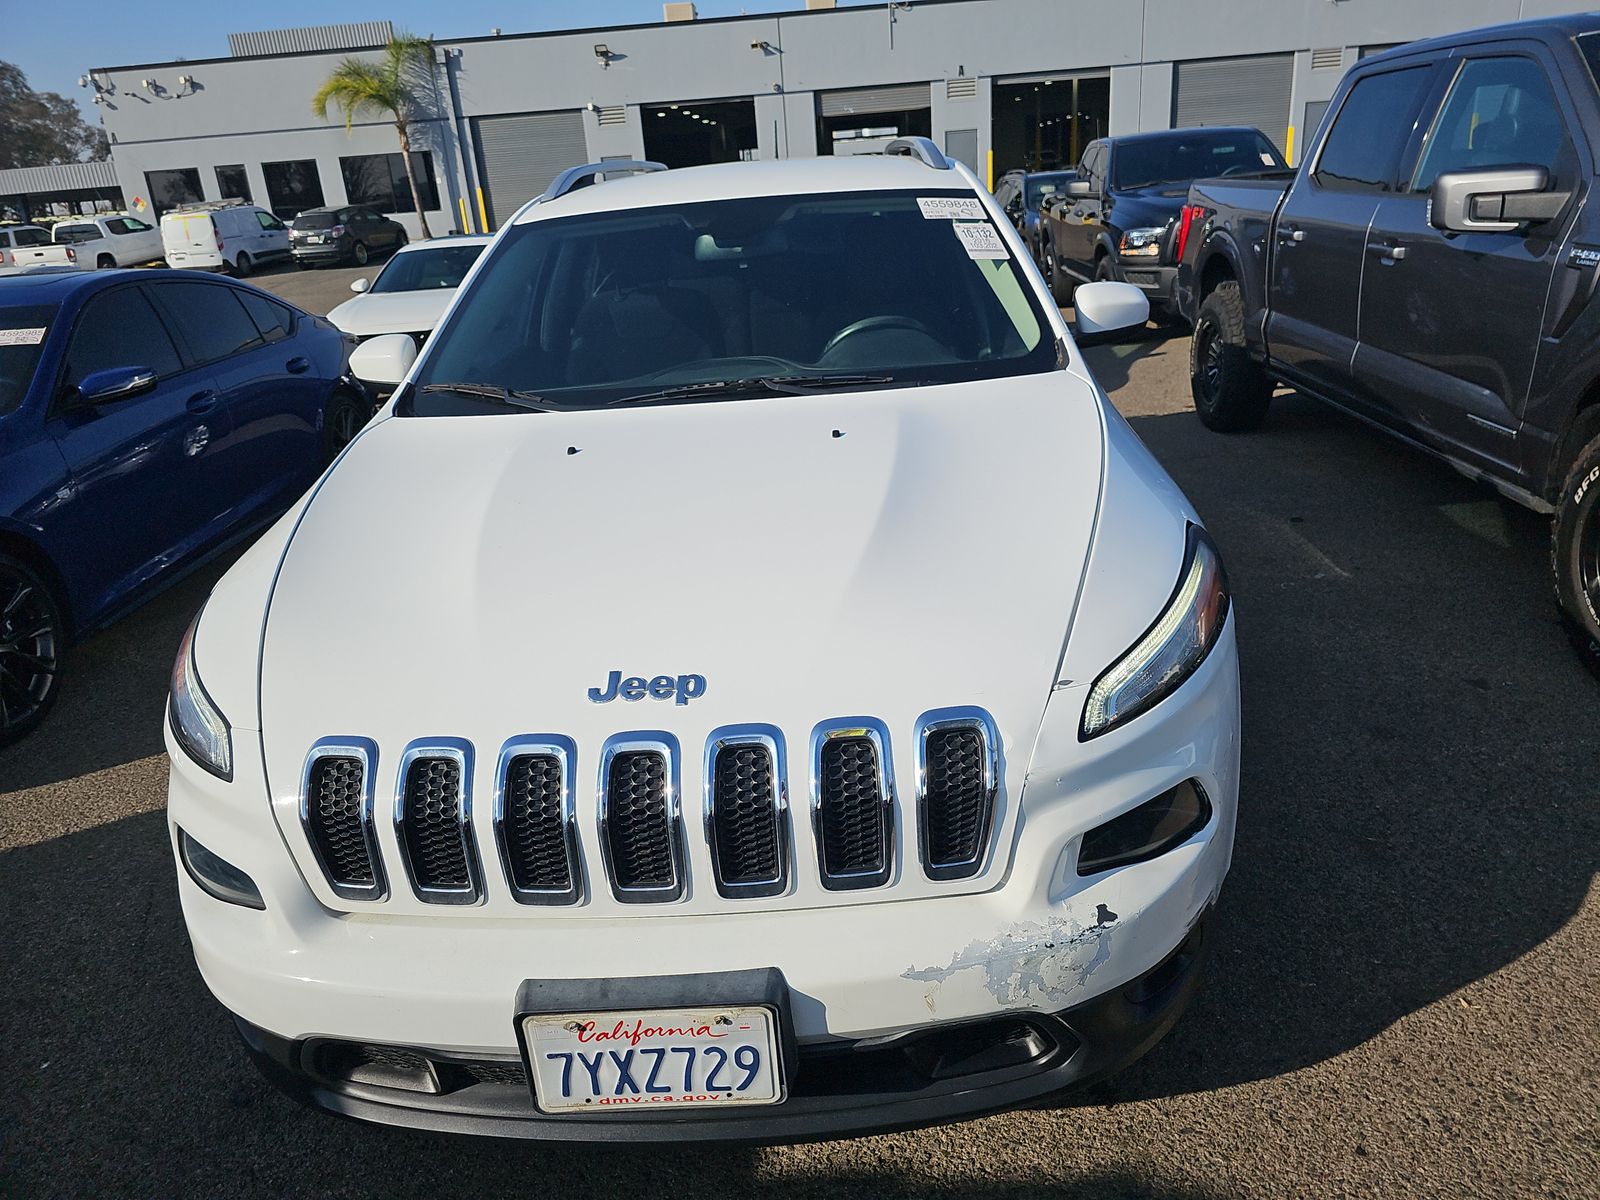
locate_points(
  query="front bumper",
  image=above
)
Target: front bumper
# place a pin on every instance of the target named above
(1158, 283)
(1081, 959)
(836, 1089)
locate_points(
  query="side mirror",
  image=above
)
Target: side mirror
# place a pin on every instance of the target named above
(384, 360)
(360, 285)
(1077, 188)
(1501, 200)
(114, 383)
(1106, 308)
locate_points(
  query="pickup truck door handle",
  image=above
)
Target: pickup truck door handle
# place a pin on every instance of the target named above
(1290, 236)
(1390, 253)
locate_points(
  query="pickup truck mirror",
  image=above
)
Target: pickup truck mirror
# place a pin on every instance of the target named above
(1107, 308)
(384, 359)
(114, 383)
(1501, 200)
(1077, 188)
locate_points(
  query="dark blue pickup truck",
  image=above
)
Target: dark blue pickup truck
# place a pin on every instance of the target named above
(1431, 268)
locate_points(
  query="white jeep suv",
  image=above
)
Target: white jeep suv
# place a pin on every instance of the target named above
(746, 683)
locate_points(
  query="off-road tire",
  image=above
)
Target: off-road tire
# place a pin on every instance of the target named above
(1575, 553)
(1231, 392)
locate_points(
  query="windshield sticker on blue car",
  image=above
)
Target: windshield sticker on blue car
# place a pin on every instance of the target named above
(980, 240)
(21, 337)
(951, 208)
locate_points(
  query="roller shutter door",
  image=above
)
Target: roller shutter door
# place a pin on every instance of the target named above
(874, 100)
(1236, 91)
(519, 156)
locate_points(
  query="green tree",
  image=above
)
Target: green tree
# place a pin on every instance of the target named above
(394, 87)
(37, 128)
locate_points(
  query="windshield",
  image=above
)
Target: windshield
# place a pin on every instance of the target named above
(591, 310)
(425, 270)
(70, 234)
(1193, 154)
(22, 333)
(1040, 186)
(314, 220)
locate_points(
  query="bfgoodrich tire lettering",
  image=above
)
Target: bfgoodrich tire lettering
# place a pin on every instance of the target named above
(1231, 393)
(1575, 553)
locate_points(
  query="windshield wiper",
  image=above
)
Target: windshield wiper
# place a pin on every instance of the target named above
(493, 391)
(784, 385)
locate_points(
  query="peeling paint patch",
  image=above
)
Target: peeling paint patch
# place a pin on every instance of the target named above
(1033, 961)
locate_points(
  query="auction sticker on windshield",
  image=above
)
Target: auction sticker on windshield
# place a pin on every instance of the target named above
(636, 1060)
(981, 241)
(951, 208)
(21, 337)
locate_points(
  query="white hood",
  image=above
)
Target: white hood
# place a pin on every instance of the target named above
(392, 312)
(875, 553)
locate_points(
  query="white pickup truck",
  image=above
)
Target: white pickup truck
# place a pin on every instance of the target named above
(111, 240)
(26, 248)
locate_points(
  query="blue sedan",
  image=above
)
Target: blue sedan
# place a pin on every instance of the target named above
(148, 420)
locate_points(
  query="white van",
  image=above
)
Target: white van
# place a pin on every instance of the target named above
(225, 235)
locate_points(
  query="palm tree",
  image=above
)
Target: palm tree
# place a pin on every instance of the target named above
(390, 88)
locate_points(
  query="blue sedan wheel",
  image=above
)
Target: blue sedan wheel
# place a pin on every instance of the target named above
(31, 641)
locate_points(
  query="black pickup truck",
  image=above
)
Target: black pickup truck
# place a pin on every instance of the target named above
(1432, 268)
(1116, 219)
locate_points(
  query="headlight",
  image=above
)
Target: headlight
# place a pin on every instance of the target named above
(1171, 650)
(1141, 243)
(201, 730)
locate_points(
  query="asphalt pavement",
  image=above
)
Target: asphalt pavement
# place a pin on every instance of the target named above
(1402, 1000)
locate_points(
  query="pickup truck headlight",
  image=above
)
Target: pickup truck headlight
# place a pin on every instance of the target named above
(197, 724)
(1141, 243)
(1171, 650)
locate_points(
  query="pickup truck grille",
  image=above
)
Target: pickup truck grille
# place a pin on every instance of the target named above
(538, 832)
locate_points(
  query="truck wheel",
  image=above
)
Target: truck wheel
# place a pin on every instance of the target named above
(1231, 393)
(104, 263)
(1102, 269)
(1575, 553)
(32, 638)
(242, 266)
(1060, 285)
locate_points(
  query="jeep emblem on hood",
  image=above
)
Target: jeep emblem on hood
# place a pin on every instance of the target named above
(681, 689)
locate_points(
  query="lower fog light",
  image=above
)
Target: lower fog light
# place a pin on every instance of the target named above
(1146, 832)
(216, 876)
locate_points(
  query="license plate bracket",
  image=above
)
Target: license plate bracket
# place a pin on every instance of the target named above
(757, 1000)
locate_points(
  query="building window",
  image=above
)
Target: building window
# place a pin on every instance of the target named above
(292, 187)
(168, 189)
(379, 181)
(232, 183)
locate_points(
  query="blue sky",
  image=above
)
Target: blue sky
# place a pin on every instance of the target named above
(110, 34)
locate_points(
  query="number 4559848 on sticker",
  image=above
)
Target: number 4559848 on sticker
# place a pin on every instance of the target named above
(688, 1058)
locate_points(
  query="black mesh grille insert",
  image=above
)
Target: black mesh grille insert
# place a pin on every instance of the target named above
(638, 824)
(744, 803)
(852, 807)
(535, 824)
(432, 826)
(955, 805)
(334, 820)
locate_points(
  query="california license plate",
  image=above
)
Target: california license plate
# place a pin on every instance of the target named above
(644, 1059)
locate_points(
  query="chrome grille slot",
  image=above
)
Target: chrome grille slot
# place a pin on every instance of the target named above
(747, 817)
(853, 803)
(433, 822)
(336, 814)
(957, 779)
(534, 820)
(640, 822)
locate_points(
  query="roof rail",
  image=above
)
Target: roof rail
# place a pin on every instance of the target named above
(574, 178)
(919, 148)
(210, 205)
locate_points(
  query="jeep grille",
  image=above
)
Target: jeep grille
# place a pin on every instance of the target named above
(432, 825)
(639, 821)
(746, 813)
(956, 771)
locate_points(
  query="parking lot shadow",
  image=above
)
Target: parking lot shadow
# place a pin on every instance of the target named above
(1419, 799)
(112, 695)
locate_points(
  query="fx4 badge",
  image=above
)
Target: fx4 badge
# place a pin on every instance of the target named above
(680, 689)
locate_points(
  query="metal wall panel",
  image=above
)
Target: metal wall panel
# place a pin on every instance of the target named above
(519, 155)
(1236, 91)
(58, 177)
(901, 98)
(354, 36)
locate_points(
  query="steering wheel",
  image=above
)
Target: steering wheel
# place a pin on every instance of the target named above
(1236, 169)
(869, 324)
